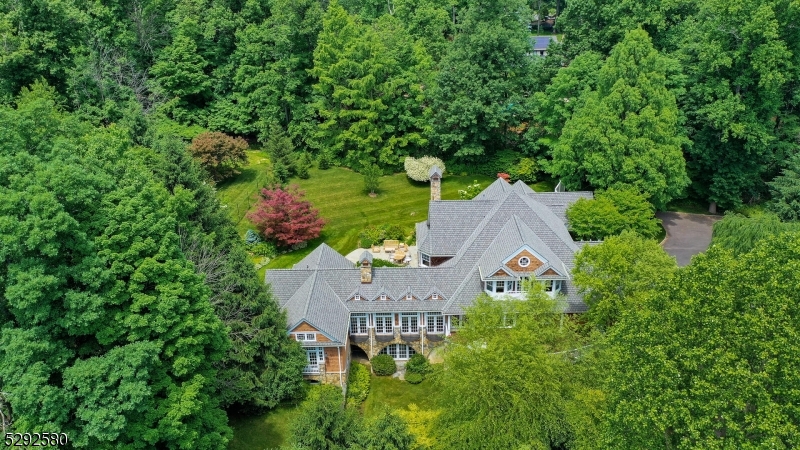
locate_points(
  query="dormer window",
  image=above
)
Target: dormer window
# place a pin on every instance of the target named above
(356, 297)
(383, 296)
(409, 297)
(434, 296)
(524, 261)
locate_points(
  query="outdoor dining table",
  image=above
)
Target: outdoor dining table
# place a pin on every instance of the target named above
(399, 255)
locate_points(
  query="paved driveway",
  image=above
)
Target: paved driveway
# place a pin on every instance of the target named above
(687, 234)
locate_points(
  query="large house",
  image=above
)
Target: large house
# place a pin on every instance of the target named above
(492, 243)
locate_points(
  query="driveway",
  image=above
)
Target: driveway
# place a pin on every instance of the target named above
(687, 234)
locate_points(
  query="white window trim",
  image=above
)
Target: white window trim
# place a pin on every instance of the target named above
(305, 337)
(357, 297)
(526, 259)
(408, 317)
(388, 323)
(383, 297)
(361, 320)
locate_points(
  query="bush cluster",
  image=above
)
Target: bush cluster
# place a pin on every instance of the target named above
(265, 248)
(373, 235)
(383, 365)
(471, 191)
(358, 383)
(419, 169)
(252, 237)
(417, 368)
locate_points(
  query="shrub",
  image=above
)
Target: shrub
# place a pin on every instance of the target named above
(414, 378)
(357, 384)
(471, 191)
(303, 165)
(252, 237)
(418, 364)
(267, 249)
(419, 169)
(504, 176)
(524, 170)
(372, 174)
(383, 263)
(324, 161)
(393, 232)
(383, 365)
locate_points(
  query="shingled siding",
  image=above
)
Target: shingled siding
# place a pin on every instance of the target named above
(306, 328)
(332, 361)
(514, 264)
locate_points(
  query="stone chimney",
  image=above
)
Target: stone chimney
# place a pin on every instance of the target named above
(366, 267)
(436, 183)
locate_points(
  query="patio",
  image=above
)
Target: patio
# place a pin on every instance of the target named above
(386, 256)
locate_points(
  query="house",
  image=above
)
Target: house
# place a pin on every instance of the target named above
(539, 44)
(492, 243)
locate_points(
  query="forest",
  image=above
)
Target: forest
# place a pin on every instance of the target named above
(132, 317)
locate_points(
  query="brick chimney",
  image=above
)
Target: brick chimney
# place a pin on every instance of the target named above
(436, 183)
(366, 267)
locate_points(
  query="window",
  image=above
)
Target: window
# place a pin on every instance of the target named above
(314, 357)
(409, 297)
(356, 297)
(552, 285)
(524, 261)
(425, 260)
(383, 296)
(305, 337)
(398, 351)
(435, 323)
(500, 287)
(409, 323)
(384, 323)
(358, 324)
(434, 296)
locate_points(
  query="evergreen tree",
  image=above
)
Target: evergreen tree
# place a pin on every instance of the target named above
(626, 132)
(786, 191)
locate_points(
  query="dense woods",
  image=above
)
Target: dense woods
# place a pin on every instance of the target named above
(131, 315)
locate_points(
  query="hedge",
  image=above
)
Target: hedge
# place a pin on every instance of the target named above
(383, 365)
(358, 383)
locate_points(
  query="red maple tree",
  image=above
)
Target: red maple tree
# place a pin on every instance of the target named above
(283, 215)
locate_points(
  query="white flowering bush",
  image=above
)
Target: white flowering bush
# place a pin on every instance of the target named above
(419, 168)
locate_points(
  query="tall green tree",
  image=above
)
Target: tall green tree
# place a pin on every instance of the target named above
(480, 86)
(368, 95)
(511, 369)
(626, 131)
(741, 103)
(107, 331)
(717, 349)
(785, 190)
(617, 274)
(740, 234)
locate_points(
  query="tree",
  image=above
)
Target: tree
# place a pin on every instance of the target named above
(324, 423)
(263, 366)
(611, 212)
(740, 234)
(615, 275)
(221, 155)
(372, 174)
(108, 334)
(741, 98)
(419, 169)
(369, 93)
(480, 87)
(512, 369)
(180, 74)
(284, 216)
(388, 431)
(280, 149)
(786, 191)
(625, 133)
(720, 372)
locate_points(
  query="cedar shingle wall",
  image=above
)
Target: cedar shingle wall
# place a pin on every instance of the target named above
(305, 327)
(514, 265)
(332, 362)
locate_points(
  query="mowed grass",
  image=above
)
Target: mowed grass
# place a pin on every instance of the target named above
(339, 195)
(265, 431)
(398, 394)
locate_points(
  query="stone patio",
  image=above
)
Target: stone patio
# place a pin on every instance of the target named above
(412, 250)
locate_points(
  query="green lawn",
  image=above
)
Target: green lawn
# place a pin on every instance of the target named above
(239, 193)
(266, 431)
(397, 394)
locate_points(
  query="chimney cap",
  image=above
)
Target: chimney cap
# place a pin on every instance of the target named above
(435, 171)
(366, 256)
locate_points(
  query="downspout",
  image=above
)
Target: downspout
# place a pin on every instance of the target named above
(339, 352)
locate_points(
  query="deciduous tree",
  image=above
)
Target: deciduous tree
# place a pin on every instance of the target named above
(626, 131)
(282, 215)
(611, 212)
(220, 154)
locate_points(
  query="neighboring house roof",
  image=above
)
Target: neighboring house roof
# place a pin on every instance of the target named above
(542, 42)
(479, 235)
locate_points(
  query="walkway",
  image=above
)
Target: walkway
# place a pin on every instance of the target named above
(687, 234)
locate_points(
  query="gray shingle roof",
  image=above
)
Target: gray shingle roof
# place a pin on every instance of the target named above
(480, 234)
(434, 171)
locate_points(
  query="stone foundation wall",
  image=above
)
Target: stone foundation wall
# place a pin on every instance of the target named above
(377, 345)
